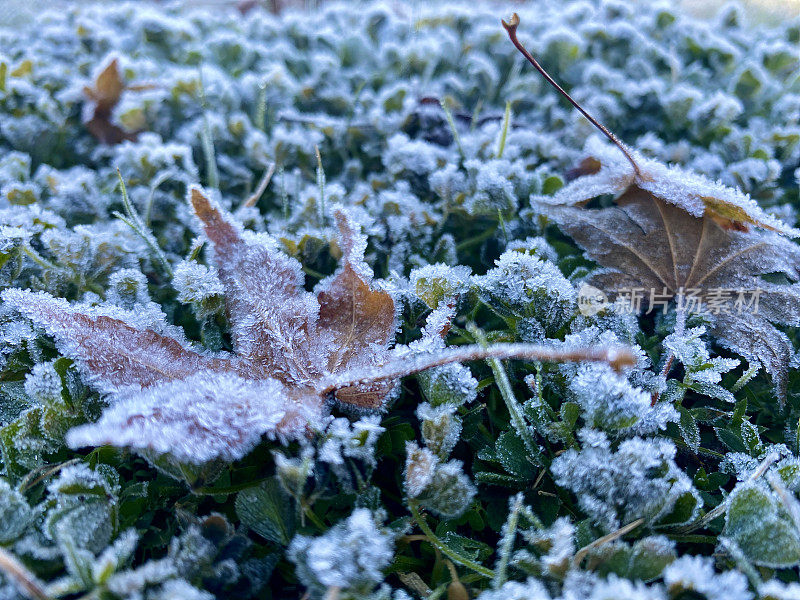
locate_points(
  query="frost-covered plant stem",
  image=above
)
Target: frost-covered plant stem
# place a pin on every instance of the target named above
(722, 507)
(746, 377)
(321, 186)
(134, 221)
(680, 327)
(207, 139)
(501, 142)
(451, 121)
(26, 581)
(507, 543)
(581, 554)
(164, 176)
(444, 548)
(38, 258)
(507, 393)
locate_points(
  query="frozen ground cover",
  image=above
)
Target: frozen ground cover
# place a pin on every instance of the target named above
(189, 405)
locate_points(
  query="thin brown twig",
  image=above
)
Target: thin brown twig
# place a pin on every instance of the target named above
(511, 29)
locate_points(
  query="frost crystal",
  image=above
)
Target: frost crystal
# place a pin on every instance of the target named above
(441, 427)
(349, 556)
(523, 285)
(343, 439)
(696, 573)
(43, 384)
(200, 417)
(196, 282)
(442, 488)
(639, 480)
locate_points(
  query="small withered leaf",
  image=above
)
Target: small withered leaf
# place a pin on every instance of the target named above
(108, 87)
(104, 96)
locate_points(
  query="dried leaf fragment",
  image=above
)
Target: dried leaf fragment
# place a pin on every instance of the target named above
(115, 356)
(103, 97)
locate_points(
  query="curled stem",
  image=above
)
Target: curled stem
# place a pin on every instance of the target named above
(511, 29)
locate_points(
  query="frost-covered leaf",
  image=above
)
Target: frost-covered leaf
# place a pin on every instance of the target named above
(638, 480)
(607, 171)
(350, 555)
(114, 352)
(360, 317)
(15, 513)
(651, 240)
(293, 350)
(267, 511)
(758, 523)
(273, 319)
(204, 416)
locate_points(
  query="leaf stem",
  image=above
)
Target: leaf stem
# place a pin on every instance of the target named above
(618, 357)
(581, 554)
(262, 186)
(511, 29)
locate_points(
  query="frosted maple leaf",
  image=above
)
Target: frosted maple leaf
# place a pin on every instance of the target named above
(661, 234)
(295, 352)
(675, 233)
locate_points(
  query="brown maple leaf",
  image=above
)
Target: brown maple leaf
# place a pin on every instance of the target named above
(294, 351)
(680, 235)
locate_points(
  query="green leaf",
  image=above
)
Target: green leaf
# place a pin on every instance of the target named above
(758, 524)
(751, 438)
(267, 510)
(649, 557)
(689, 429)
(730, 439)
(472, 549)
